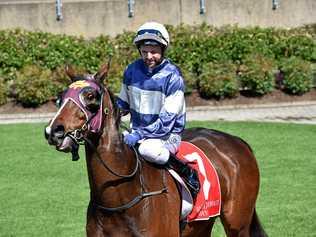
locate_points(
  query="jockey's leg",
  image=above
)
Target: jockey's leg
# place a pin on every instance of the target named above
(162, 152)
(153, 150)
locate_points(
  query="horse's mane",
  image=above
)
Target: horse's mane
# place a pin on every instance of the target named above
(116, 110)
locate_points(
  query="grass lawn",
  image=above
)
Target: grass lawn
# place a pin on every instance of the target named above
(44, 193)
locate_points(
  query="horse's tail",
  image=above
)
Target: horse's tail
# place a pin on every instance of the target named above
(256, 229)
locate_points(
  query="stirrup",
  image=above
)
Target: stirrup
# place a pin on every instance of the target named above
(189, 175)
(192, 181)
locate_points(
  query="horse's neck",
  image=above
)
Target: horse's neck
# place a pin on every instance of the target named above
(110, 140)
(110, 152)
(109, 145)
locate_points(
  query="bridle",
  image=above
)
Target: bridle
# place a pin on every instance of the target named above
(79, 137)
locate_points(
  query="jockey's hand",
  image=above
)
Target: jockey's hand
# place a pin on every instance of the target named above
(131, 139)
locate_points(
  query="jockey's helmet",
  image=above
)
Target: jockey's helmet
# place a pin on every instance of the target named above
(152, 33)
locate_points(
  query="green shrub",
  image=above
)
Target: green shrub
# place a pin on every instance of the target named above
(218, 80)
(3, 92)
(297, 75)
(60, 80)
(115, 74)
(301, 46)
(236, 42)
(13, 56)
(256, 74)
(124, 53)
(314, 74)
(34, 86)
(191, 48)
(190, 80)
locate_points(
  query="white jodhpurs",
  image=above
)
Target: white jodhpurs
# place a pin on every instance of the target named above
(157, 150)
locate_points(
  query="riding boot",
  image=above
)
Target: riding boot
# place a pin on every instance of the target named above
(189, 175)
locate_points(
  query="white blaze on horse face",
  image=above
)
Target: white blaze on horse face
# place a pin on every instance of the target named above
(60, 110)
(49, 127)
(48, 130)
(196, 157)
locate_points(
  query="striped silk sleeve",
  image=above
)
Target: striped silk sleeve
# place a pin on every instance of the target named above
(122, 100)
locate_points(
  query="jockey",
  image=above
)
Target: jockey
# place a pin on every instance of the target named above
(153, 93)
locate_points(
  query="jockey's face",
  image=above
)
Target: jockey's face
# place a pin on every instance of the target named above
(151, 54)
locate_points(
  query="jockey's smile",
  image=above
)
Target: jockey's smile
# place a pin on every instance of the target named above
(151, 54)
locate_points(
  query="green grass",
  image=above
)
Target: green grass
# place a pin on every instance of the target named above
(44, 193)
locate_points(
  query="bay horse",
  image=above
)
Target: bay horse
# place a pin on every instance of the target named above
(131, 197)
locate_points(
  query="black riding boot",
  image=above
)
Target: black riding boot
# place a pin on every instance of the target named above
(189, 175)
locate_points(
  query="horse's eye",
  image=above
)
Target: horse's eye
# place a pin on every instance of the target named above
(91, 99)
(90, 96)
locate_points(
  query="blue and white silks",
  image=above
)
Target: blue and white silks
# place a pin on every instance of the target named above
(155, 99)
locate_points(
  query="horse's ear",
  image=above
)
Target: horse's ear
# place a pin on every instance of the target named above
(103, 71)
(70, 72)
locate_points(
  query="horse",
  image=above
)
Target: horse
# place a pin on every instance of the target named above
(131, 197)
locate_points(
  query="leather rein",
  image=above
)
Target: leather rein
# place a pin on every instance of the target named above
(79, 138)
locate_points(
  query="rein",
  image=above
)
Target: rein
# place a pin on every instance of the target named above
(132, 174)
(143, 194)
(78, 138)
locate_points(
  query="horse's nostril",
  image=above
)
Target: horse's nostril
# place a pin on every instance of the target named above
(59, 131)
(54, 135)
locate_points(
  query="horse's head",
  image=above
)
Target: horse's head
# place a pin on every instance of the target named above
(82, 108)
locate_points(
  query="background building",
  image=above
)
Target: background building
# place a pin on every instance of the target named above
(93, 17)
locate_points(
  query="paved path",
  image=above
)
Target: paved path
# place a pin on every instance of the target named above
(298, 112)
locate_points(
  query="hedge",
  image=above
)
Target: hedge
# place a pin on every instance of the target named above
(297, 76)
(218, 80)
(192, 49)
(3, 92)
(256, 74)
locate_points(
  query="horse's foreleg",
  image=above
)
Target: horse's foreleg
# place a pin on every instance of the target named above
(93, 228)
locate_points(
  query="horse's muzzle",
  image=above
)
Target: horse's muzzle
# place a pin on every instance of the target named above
(56, 137)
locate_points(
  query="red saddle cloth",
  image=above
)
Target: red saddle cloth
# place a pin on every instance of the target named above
(208, 201)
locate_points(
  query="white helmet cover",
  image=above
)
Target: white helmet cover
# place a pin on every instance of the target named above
(152, 31)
